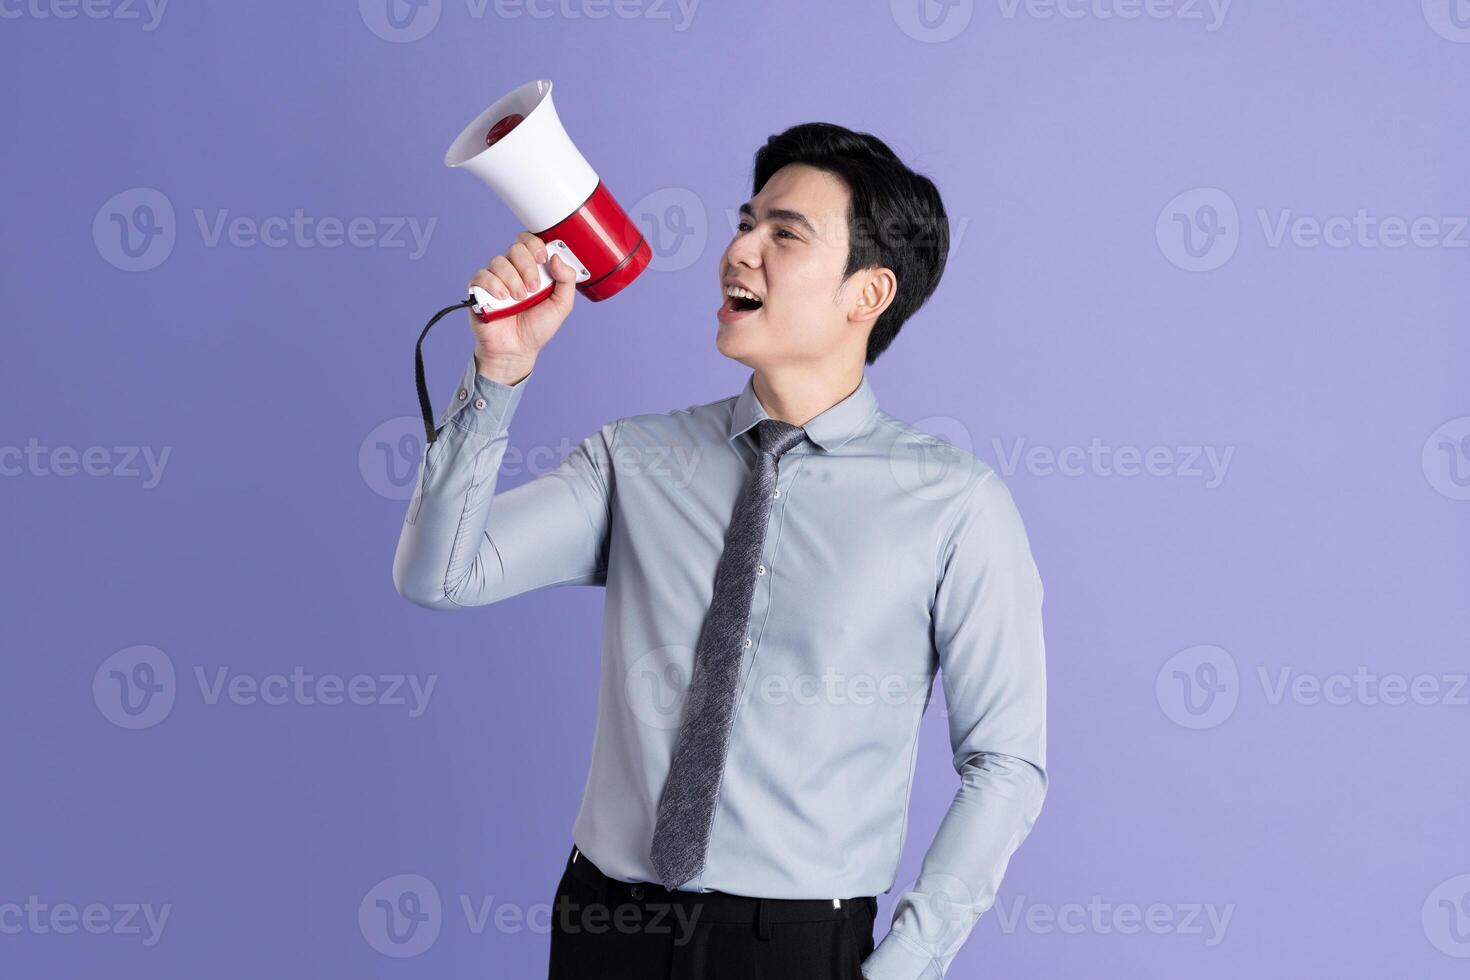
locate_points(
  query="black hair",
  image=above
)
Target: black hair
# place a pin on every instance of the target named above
(895, 218)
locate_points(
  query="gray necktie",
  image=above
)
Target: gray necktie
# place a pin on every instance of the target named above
(686, 810)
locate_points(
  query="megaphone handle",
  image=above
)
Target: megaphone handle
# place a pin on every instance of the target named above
(488, 307)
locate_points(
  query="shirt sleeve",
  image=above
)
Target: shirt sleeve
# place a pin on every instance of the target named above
(988, 635)
(462, 544)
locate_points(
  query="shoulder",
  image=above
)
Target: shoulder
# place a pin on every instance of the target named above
(692, 423)
(939, 465)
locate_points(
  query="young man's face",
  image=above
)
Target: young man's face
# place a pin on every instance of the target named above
(790, 249)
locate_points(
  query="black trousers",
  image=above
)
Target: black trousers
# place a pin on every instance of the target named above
(605, 929)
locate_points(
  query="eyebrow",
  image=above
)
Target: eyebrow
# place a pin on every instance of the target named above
(782, 214)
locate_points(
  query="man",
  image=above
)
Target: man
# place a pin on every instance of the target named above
(797, 588)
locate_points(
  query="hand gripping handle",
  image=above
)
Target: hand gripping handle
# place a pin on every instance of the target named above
(488, 307)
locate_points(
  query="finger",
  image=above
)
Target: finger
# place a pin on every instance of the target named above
(489, 282)
(520, 257)
(501, 266)
(560, 270)
(534, 243)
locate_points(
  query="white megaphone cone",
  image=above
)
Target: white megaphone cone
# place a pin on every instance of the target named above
(519, 148)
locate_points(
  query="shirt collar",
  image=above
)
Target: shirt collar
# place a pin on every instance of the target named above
(828, 430)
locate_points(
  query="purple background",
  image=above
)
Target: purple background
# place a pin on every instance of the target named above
(1332, 834)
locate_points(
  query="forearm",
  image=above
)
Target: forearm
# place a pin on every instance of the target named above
(438, 563)
(987, 626)
(507, 371)
(992, 813)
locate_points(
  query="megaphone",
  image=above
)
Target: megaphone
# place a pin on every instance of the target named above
(519, 148)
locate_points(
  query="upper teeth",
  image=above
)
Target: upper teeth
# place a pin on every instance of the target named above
(742, 293)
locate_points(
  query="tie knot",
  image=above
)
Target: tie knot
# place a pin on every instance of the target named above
(776, 437)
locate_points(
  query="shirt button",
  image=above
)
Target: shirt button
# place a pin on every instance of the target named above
(479, 403)
(463, 394)
(747, 641)
(760, 569)
(776, 494)
(636, 891)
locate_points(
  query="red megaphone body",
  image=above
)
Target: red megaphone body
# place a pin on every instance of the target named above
(519, 148)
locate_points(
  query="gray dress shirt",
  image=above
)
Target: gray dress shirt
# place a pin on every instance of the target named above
(890, 554)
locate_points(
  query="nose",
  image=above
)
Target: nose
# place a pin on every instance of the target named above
(744, 250)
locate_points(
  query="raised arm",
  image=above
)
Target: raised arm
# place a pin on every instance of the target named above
(987, 630)
(461, 543)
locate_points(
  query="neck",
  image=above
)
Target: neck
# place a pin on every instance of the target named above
(798, 393)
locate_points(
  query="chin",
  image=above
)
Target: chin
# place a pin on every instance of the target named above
(728, 342)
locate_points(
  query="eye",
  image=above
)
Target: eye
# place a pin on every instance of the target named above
(780, 232)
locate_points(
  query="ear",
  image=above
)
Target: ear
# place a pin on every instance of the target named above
(876, 289)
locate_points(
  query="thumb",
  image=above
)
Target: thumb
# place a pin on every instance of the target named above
(566, 281)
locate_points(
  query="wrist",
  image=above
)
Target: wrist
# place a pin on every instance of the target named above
(505, 370)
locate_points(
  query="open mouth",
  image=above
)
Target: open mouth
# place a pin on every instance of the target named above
(740, 300)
